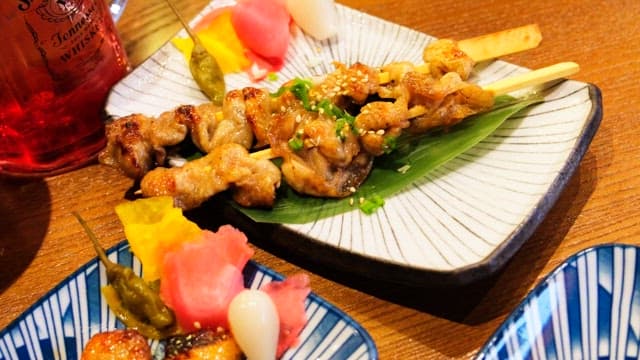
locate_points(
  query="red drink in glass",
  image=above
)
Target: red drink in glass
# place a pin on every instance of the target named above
(61, 60)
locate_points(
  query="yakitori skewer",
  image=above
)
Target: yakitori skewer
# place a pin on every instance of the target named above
(490, 46)
(484, 47)
(501, 43)
(500, 87)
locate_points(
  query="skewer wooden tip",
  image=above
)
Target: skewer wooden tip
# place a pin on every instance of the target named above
(265, 154)
(505, 42)
(533, 78)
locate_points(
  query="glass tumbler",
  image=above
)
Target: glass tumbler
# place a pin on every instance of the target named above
(59, 61)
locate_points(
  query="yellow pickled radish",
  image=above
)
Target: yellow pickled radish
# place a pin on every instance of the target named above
(153, 226)
(220, 39)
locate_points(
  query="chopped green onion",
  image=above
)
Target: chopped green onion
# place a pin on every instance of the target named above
(340, 125)
(295, 143)
(300, 89)
(371, 204)
(389, 144)
(272, 76)
(280, 91)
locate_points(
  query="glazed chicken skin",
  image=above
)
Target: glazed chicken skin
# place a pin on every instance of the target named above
(444, 56)
(203, 345)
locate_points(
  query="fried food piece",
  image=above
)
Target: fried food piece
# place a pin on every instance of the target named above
(117, 345)
(228, 166)
(204, 344)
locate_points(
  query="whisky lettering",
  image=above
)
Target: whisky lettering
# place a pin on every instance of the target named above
(77, 37)
(65, 44)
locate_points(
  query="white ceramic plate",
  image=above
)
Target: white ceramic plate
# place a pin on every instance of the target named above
(465, 219)
(587, 308)
(61, 322)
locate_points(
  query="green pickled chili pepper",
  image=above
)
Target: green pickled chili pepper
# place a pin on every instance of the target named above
(134, 301)
(207, 73)
(203, 66)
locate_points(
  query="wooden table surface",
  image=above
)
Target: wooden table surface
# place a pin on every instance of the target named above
(41, 243)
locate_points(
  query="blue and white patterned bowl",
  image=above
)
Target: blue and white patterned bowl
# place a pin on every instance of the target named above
(587, 308)
(60, 323)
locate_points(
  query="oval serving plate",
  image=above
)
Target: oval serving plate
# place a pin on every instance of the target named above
(465, 219)
(61, 322)
(587, 308)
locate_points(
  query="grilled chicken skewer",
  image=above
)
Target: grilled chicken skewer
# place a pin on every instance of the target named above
(137, 143)
(320, 169)
(501, 87)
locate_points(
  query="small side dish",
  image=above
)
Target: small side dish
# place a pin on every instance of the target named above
(61, 323)
(194, 283)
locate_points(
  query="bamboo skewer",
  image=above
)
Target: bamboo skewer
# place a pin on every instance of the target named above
(532, 78)
(500, 87)
(494, 45)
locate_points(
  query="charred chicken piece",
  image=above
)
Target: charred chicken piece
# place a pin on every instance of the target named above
(347, 84)
(380, 121)
(228, 166)
(312, 174)
(259, 107)
(117, 345)
(204, 344)
(208, 131)
(136, 143)
(444, 56)
(321, 156)
(446, 101)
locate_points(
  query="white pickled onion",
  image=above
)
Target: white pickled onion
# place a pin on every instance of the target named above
(255, 324)
(315, 17)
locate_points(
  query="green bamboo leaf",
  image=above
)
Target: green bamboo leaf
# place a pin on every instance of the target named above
(413, 158)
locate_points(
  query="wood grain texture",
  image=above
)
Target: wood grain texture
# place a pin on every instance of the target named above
(41, 243)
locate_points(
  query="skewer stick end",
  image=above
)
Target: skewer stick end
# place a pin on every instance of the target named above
(532, 78)
(494, 45)
(265, 154)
